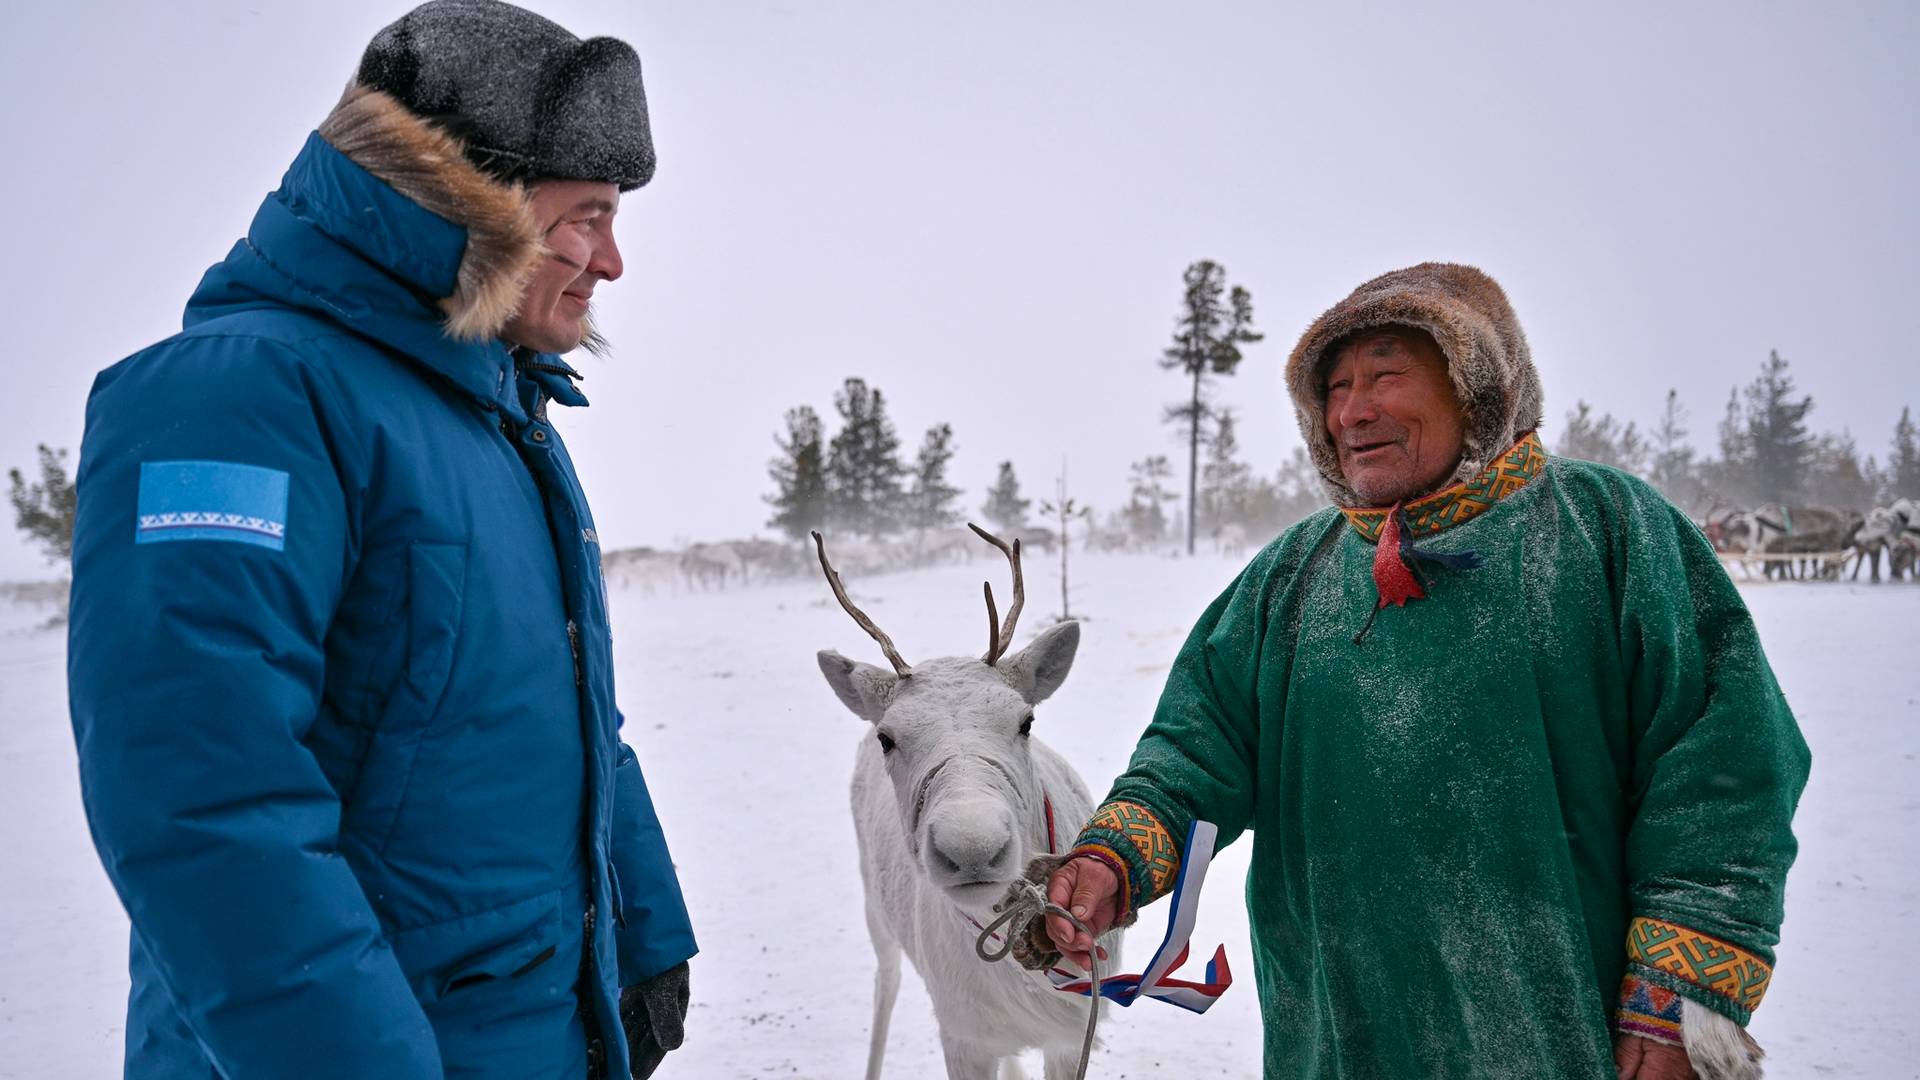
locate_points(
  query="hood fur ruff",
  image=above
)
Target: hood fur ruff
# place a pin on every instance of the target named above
(1470, 319)
(430, 167)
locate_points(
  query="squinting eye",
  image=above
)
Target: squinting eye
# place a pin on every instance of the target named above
(1026, 726)
(886, 743)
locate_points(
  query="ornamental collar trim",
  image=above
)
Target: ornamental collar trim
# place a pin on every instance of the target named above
(1461, 502)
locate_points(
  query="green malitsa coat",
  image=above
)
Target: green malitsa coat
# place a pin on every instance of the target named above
(1548, 800)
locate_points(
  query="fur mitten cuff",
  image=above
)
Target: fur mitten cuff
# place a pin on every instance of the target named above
(1032, 947)
(1718, 1048)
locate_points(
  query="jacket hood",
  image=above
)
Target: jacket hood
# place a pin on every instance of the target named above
(429, 167)
(1468, 316)
(383, 225)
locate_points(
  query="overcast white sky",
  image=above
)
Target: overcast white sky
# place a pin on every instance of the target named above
(985, 209)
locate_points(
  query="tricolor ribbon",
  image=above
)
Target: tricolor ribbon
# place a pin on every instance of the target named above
(1157, 980)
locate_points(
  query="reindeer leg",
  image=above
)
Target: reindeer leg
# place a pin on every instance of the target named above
(886, 988)
(966, 1062)
(1063, 1064)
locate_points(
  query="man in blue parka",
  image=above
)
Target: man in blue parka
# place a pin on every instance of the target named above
(340, 665)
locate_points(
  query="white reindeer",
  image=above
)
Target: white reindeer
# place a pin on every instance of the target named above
(952, 795)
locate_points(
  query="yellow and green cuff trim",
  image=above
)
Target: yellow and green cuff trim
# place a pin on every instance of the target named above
(1722, 976)
(1130, 837)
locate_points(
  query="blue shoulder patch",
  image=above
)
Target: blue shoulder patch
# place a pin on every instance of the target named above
(212, 500)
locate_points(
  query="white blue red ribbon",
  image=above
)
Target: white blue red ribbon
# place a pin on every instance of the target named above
(1157, 980)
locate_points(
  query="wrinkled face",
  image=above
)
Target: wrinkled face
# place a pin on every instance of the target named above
(1393, 416)
(577, 216)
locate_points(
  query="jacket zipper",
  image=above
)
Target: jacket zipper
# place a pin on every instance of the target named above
(573, 643)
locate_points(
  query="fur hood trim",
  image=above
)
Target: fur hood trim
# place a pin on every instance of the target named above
(1468, 316)
(430, 167)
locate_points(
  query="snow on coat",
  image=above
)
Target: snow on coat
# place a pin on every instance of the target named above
(1547, 801)
(340, 665)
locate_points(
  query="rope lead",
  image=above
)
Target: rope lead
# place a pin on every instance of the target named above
(1026, 898)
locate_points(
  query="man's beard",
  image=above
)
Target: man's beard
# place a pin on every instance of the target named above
(591, 340)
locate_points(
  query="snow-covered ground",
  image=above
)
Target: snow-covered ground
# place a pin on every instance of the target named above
(748, 754)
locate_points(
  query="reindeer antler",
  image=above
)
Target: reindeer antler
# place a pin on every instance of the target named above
(1000, 641)
(900, 667)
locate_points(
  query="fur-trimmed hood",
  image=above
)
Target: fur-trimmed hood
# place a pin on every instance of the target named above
(429, 166)
(1468, 316)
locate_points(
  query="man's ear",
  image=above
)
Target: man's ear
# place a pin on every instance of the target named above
(862, 688)
(1038, 670)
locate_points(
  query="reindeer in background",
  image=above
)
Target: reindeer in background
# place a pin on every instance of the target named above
(952, 795)
(1894, 529)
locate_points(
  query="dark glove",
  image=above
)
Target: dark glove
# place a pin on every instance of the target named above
(654, 1015)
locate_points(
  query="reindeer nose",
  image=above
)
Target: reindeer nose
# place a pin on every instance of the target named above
(972, 848)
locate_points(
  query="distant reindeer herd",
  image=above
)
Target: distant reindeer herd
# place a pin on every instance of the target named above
(1773, 541)
(1818, 542)
(707, 567)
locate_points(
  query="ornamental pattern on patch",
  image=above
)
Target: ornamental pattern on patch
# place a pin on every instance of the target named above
(208, 519)
(1137, 825)
(1649, 1011)
(1706, 962)
(1464, 501)
(221, 501)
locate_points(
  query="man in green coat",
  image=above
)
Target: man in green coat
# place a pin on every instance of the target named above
(1519, 776)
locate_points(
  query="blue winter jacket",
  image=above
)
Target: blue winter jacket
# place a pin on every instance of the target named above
(341, 677)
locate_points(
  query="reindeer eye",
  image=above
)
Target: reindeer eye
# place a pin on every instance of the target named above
(886, 742)
(1026, 726)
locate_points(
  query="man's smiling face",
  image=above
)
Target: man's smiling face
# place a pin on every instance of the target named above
(1392, 413)
(577, 216)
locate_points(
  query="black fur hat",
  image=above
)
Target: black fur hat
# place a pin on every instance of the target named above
(528, 99)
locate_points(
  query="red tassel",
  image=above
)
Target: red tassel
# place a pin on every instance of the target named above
(1391, 575)
(1393, 579)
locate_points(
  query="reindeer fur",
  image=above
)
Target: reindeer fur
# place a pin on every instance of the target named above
(1718, 1048)
(961, 768)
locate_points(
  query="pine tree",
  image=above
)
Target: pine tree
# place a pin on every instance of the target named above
(1779, 446)
(1903, 461)
(1064, 509)
(1145, 515)
(1731, 476)
(1225, 481)
(1835, 474)
(1301, 488)
(44, 511)
(930, 499)
(1673, 471)
(1004, 509)
(1602, 439)
(799, 476)
(1879, 481)
(863, 464)
(1206, 341)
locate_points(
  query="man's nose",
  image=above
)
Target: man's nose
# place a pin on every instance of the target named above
(606, 261)
(1355, 407)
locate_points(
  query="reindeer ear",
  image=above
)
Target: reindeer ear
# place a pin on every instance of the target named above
(1038, 670)
(863, 688)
